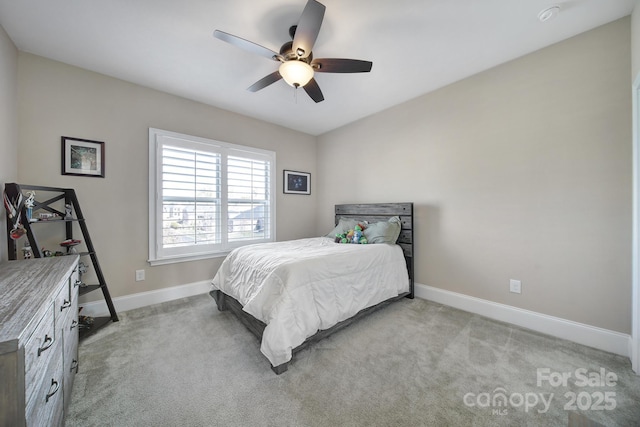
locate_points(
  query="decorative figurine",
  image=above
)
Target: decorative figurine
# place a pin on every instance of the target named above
(68, 213)
(82, 268)
(29, 203)
(70, 244)
(26, 251)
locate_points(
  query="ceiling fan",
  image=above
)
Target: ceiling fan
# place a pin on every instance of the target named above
(297, 65)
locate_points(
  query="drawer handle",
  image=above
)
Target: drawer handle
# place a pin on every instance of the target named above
(73, 325)
(74, 365)
(48, 342)
(53, 389)
(65, 304)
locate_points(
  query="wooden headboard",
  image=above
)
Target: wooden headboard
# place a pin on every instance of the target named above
(373, 212)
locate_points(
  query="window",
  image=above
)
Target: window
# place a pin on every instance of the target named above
(207, 197)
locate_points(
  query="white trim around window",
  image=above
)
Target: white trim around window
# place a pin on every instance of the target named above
(207, 197)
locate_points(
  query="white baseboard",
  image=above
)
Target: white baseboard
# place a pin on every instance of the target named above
(603, 339)
(143, 299)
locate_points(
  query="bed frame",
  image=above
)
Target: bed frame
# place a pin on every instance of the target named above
(367, 212)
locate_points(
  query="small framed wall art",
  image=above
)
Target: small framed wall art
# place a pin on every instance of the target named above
(297, 182)
(82, 157)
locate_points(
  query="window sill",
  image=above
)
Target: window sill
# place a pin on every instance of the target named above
(186, 258)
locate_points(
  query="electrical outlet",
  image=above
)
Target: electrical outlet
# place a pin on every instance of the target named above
(515, 286)
(139, 275)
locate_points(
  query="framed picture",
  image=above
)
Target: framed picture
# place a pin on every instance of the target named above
(82, 157)
(297, 182)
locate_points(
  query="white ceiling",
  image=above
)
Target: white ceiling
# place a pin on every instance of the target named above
(416, 46)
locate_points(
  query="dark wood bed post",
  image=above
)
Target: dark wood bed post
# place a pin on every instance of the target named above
(366, 212)
(220, 300)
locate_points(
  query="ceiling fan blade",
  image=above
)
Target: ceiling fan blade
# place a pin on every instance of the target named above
(246, 45)
(265, 81)
(308, 28)
(313, 90)
(336, 65)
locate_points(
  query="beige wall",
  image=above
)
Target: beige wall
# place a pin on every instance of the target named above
(520, 172)
(57, 99)
(635, 40)
(523, 171)
(8, 123)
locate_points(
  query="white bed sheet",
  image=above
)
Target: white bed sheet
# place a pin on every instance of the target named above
(301, 286)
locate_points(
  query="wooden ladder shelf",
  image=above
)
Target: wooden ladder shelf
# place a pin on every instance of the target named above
(18, 222)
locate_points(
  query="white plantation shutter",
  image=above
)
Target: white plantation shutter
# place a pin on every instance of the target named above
(248, 190)
(190, 197)
(206, 197)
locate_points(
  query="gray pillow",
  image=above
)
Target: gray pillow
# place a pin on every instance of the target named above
(383, 231)
(344, 225)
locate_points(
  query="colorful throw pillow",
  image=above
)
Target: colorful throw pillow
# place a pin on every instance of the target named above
(343, 227)
(354, 235)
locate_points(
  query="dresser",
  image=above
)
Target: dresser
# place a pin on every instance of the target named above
(38, 339)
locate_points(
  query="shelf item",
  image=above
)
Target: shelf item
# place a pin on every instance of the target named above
(20, 203)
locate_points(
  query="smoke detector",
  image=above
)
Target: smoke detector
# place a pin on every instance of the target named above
(548, 13)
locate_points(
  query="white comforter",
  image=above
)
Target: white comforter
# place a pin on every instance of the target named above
(301, 286)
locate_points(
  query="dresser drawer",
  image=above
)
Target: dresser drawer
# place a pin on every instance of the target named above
(44, 407)
(63, 301)
(65, 310)
(70, 335)
(70, 361)
(74, 282)
(41, 345)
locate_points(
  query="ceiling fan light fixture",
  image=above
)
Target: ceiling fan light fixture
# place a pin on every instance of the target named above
(296, 73)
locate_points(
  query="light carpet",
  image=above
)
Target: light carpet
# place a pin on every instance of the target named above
(413, 363)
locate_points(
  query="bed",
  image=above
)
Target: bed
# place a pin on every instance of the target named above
(293, 294)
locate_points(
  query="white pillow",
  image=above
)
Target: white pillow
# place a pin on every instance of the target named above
(384, 231)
